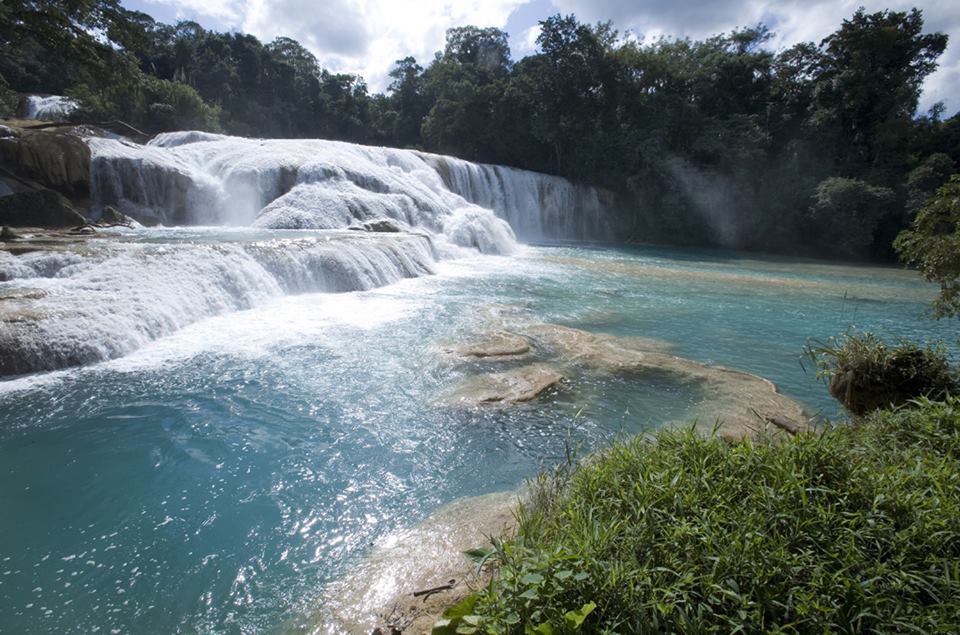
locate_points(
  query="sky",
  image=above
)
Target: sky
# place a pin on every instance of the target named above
(366, 36)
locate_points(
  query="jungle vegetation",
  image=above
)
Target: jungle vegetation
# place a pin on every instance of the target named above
(815, 149)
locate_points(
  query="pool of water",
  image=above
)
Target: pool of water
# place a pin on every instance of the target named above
(215, 479)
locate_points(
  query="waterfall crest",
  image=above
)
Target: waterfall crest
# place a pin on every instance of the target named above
(191, 178)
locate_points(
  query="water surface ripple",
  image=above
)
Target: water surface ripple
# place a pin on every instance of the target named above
(215, 479)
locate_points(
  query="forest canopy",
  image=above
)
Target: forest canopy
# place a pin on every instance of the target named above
(817, 148)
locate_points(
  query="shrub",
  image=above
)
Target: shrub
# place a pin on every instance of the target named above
(865, 374)
(856, 529)
(924, 181)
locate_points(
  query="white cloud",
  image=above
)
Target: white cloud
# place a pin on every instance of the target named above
(367, 36)
(228, 12)
(527, 43)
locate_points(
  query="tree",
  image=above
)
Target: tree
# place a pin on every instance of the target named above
(9, 100)
(932, 245)
(465, 83)
(846, 213)
(925, 179)
(576, 94)
(408, 103)
(868, 85)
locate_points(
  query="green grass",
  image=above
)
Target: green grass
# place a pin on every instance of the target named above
(856, 529)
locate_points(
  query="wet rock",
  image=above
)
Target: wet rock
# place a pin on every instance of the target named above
(495, 345)
(517, 385)
(378, 592)
(56, 158)
(112, 216)
(8, 234)
(22, 294)
(603, 352)
(731, 403)
(735, 404)
(382, 225)
(906, 375)
(38, 208)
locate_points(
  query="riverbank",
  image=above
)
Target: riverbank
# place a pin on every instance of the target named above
(854, 529)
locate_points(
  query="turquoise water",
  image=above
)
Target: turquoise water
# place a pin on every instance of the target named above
(215, 479)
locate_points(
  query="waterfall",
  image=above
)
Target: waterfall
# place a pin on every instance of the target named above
(69, 307)
(208, 179)
(538, 207)
(48, 107)
(190, 178)
(91, 300)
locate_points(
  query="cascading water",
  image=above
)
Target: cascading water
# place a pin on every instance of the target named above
(539, 207)
(48, 107)
(216, 480)
(199, 179)
(89, 301)
(207, 179)
(99, 301)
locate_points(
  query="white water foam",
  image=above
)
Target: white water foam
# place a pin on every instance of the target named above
(88, 305)
(209, 179)
(49, 107)
(87, 302)
(538, 207)
(198, 178)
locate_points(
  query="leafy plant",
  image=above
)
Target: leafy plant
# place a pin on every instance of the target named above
(933, 246)
(856, 529)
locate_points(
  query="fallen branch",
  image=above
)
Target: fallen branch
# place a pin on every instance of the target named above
(114, 124)
(787, 425)
(428, 592)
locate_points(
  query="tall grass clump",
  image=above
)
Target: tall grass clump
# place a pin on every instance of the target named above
(855, 529)
(864, 373)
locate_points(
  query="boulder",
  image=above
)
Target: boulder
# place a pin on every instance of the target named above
(497, 345)
(38, 208)
(110, 215)
(508, 387)
(57, 159)
(383, 225)
(904, 376)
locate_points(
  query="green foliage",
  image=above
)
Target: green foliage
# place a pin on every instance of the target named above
(865, 374)
(933, 246)
(150, 103)
(718, 141)
(856, 529)
(49, 45)
(846, 213)
(868, 86)
(9, 99)
(924, 181)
